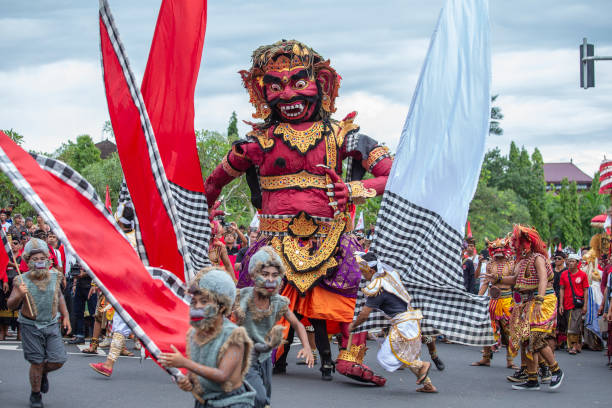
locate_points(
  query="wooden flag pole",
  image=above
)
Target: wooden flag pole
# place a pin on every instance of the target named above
(21, 278)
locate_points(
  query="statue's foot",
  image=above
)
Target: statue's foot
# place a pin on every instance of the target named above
(359, 372)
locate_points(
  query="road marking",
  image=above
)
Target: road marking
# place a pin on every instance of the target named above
(11, 347)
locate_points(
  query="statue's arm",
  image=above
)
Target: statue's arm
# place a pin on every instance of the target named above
(243, 155)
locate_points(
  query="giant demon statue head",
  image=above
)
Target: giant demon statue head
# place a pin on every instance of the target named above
(290, 82)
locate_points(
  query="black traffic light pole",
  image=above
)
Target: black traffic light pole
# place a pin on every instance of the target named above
(587, 64)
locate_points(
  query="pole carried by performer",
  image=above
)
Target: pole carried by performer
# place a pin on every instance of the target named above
(218, 351)
(534, 316)
(501, 303)
(402, 346)
(292, 160)
(258, 309)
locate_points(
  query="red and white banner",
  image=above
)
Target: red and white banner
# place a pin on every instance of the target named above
(605, 177)
(151, 303)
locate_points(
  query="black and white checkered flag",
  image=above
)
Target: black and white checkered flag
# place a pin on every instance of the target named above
(419, 230)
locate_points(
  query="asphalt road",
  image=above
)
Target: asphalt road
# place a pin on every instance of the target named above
(135, 384)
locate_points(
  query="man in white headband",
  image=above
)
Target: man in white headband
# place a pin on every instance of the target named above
(402, 346)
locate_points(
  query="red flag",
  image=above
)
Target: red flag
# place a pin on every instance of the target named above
(469, 230)
(145, 177)
(157, 314)
(559, 248)
(168, 88)
(107, 201)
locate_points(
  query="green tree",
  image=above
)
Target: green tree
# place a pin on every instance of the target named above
(232, 128)
(493, 212)
(80, 154)
(496, 167)
(105, 173)
(9, 195)
(496, 116)
(537, 196)
(569, 223)
(212, 148)
(14, 136)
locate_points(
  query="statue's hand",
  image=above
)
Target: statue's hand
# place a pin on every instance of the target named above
(338, 190)
(214, 211)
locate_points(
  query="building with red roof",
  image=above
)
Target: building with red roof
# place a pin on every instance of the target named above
(554, 173)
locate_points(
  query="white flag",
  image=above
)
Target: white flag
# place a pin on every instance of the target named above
(420, 225)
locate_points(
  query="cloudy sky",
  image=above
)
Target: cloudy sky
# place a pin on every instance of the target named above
(51, 88)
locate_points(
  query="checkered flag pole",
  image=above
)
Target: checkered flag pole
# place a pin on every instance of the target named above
(187, 210)
(162, 184)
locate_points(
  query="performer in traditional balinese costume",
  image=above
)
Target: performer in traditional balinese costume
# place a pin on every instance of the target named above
(37, 293)
(258, 309)
(217, 252)
(501, 303)
(218, 351)
(402, 346)
(100, 322)
(292, 160)
(534, 316)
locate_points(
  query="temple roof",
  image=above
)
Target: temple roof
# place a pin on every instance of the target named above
(106, 148)
(556, 172)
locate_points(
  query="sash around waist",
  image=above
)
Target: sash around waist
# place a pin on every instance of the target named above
(301, 180)
(408, 315)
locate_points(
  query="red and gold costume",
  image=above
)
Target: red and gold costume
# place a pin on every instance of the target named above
(501, 303)
(292, 160)
(529, 328)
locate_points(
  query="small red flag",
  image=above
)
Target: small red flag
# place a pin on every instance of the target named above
(469, 230)
(107, 201)
(559, 248)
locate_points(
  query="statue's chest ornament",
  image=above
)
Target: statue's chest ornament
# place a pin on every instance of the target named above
(300, 140)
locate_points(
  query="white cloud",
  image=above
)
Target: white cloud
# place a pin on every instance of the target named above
(52, 103)
(378, 50)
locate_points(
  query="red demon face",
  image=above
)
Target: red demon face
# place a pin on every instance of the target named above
(292, 94)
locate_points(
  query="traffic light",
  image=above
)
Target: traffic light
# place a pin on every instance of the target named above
(587, 66)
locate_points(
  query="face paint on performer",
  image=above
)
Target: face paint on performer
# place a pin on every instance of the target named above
(39, 265)
(292, 94)
(203, 312)
(268, 281)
